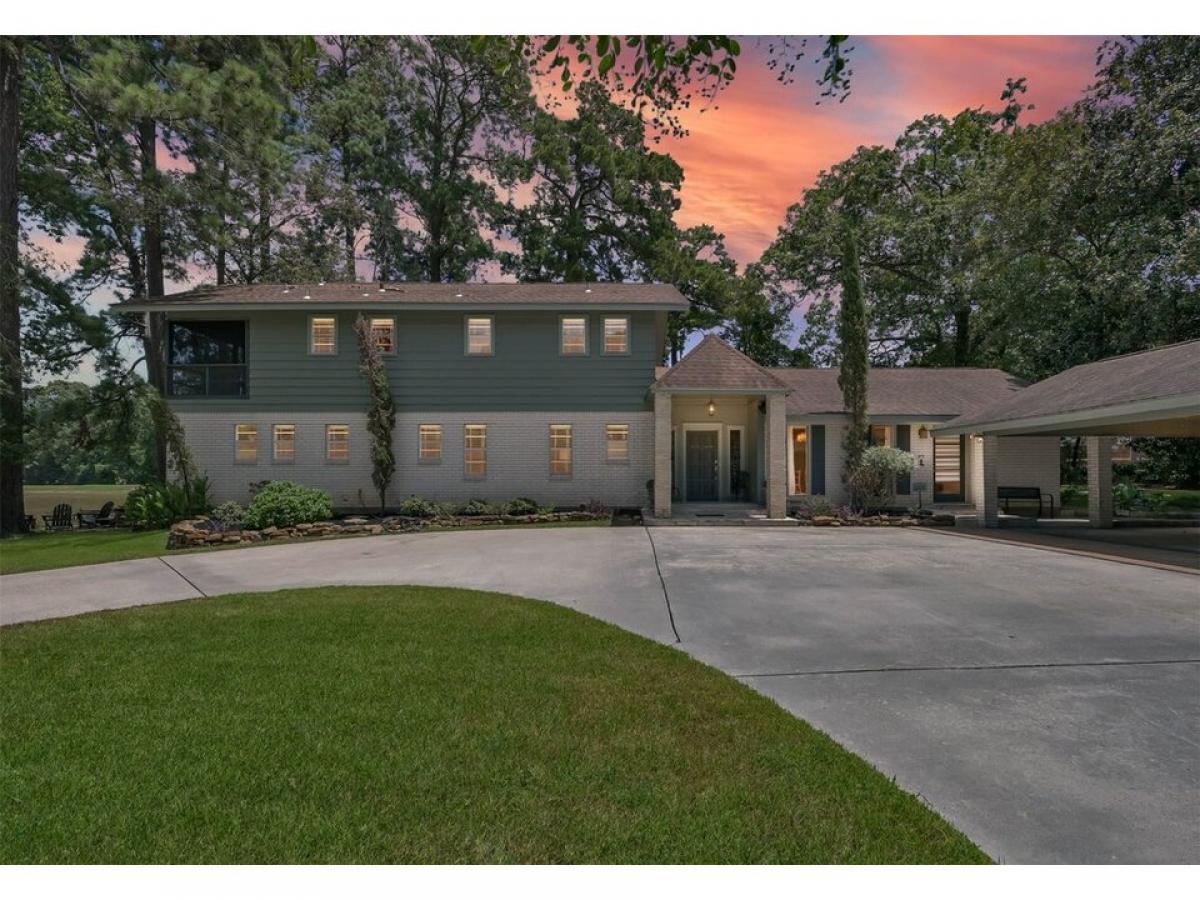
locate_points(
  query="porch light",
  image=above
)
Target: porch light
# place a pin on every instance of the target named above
(711, 408)
(922, 432)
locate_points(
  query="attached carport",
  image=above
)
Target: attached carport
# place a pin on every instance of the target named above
(1154, 393)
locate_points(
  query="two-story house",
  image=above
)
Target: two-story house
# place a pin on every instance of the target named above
(550, 391)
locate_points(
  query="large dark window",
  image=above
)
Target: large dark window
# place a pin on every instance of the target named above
(206, 359)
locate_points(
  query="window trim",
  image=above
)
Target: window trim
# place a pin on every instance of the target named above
(491, 335)
(275, 458)
(475, 476)
(422, 459)
(244, 365)
(570, 473)
(237, 432)
(336, 461)
(604, 351)
(336, 334)
(587, 327)
(608, 444)
(806, 427)
(371, 324)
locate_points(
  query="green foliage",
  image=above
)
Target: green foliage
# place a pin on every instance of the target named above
(418, 508)
(479, 508)
(521, 506)
(873, 483)
(853, 355)
(381, 413)
(230, 515)
(157, 505)
(285, 503)
(1168, 461)
(1072, 496)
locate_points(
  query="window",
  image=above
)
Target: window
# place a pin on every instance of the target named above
(337, 443)
(560, 449)
(284, 443)
(735, 463)
(616, 334)
(245, 443)
(475, 451)
(799, 460)
(879, 436)
(479, 336)
(572, 336)
(429, 443)
(947, 469)
(617, 442)
(383, 332)
(322, 335)
(206, 359)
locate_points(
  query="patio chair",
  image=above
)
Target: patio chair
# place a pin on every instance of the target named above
(104, 517)
(59, 519)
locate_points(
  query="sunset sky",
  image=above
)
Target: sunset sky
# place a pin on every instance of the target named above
(747, 160)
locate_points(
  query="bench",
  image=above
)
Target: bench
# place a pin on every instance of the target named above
(1025, 495)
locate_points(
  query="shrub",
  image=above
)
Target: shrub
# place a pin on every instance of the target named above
(477, 508)
(873, 484)
(807, 507)
(230, 515)
(158, 505)
(418, 508)
(1072, 496)
(522, 506)
(284, 503)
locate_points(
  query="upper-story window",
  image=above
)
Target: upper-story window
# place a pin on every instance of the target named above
(480, 335)
(616, 334)
(383, 332)
(322, 335)
(206, 359)
(572, 340)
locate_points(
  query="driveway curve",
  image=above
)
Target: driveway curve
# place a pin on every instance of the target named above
(1049, 705)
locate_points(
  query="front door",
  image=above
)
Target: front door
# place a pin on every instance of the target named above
(703, 465)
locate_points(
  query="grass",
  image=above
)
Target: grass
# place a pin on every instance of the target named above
(381, 725)
(40, 499)
(56, 550)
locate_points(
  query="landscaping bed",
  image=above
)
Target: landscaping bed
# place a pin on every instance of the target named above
(882, 520)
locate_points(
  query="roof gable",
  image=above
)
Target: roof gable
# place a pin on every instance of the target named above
(713, 365)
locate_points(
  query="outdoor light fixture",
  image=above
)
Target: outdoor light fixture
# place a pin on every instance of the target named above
(922, 432)
(712, 408)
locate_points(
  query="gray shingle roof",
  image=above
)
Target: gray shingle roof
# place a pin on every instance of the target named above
(650, 296)
(900, 392)
(713, 365)
(1166, 372)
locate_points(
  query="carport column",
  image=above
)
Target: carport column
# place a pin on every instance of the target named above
(988, 505)
(775, 427)
(662, 455)
(1099, 472)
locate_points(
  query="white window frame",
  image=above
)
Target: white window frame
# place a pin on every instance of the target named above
(312, 345)
(791, 458)
(557, 469)
(482, 448)
(391, 326)
(604, 335)
(429, 455)
(562, 348)
(240, 429)
(275, 432)
(609, 443)
(491, 350)
(329, 433)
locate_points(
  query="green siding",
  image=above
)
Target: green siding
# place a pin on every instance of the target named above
(431, 370)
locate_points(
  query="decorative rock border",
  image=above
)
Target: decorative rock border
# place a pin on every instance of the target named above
(881, 521)
(203, 531)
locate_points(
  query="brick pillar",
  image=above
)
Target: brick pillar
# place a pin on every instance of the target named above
(775, 438)
(662, 455)
(988, 503)
(1099, 474)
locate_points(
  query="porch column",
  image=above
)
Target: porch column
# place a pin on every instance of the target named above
(988, 504)
(776, 446)
(1099, 475)
(662, 455)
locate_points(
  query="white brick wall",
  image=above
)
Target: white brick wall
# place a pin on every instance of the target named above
(1020, 462)
(518, 457)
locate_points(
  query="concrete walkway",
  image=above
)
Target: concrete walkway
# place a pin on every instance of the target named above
(1047, 704)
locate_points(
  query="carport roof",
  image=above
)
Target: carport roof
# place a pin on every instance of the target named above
(1149, 392)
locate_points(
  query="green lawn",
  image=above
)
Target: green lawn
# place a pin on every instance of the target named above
(31, 552)
(380, 725)
(40, 499)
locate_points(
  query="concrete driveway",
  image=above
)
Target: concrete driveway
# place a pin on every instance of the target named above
(1047, 704)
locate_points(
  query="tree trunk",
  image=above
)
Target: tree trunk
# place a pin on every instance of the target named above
(962, 337)
(156, 325)
(350, 268)
(223, 231)
(12, 401)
